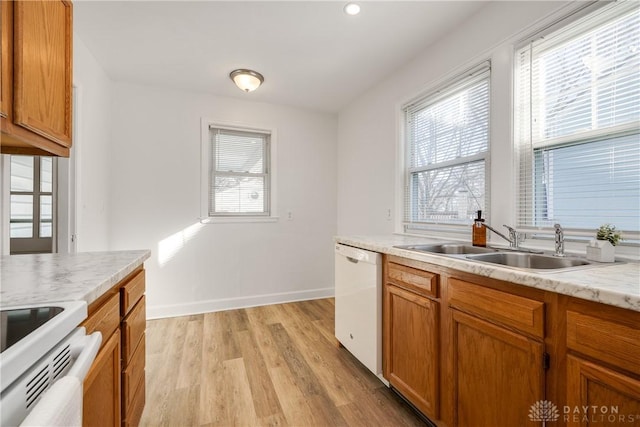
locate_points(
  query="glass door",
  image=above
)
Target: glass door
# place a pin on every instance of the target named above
(32, 219)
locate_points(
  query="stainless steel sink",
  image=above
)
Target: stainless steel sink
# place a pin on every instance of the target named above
(449, 249)
(530, 261)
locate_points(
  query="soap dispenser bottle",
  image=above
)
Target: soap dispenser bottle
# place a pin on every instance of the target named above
(479, 231)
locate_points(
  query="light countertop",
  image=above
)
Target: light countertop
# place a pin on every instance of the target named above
(613, 284)
(44, 278)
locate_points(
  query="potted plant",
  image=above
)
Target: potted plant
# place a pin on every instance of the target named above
(602, 249)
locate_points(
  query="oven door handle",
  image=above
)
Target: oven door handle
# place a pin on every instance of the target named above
(87, 349)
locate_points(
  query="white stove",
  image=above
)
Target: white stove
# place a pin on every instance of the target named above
(41, 344)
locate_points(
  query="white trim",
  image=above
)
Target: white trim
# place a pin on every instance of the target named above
(205, 125)
(66, 193)
(236, 219)
(209, 306)
(76, 152)
(5, 199)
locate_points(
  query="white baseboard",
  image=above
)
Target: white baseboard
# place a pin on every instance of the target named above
(186, 309)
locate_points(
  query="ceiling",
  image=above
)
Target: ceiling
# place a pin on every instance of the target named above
(311, 53)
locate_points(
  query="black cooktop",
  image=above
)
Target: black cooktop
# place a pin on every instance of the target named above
(18, 323)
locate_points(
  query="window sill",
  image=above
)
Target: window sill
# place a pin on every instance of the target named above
(238, 219)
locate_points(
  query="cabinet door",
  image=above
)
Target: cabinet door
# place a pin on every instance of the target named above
(610, 398)
(410, 344)
(6, 64)
(101, 405)
(498, 374)
(42, 68)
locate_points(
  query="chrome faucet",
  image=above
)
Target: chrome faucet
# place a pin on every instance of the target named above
(559, 240)
(514, 238)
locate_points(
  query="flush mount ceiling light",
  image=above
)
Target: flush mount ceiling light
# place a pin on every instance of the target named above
(352, 9)
(247, 80)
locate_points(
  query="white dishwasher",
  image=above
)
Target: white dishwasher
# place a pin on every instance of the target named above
(358, 316)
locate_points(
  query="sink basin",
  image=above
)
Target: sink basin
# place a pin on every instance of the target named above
(530, 261)
(449, 249)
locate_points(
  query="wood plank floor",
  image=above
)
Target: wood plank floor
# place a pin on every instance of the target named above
(274, 365)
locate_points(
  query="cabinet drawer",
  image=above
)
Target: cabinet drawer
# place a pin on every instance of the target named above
(131, 293)
(513, 311)
(133, 327)
(134, 412)
(105, 319)
(133, 374)
(419, 281)
(604, 339)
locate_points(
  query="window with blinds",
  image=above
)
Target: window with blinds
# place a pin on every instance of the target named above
(577, 123)
(238, 173)
(447, 149)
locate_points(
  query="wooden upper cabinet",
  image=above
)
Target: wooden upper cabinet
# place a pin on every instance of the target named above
(36, 94)
(6, 33)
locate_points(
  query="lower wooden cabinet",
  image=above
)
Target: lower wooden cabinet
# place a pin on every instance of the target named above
(410, 347)
(498, 374)
(611, 398)
(114, 390)
(468, 350)
(101, 396)
(603, 365)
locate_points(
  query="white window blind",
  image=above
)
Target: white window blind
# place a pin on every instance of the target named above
(447, 146)
(577, 123)
(239, 178)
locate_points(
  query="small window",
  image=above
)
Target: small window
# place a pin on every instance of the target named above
(239, 179)
(32, 210)
(447, 150)
(577, 120)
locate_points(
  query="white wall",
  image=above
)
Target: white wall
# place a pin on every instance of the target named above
(91, 149)
(155, 203)
(368, 129)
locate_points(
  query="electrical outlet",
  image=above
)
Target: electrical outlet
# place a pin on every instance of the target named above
(289, 216)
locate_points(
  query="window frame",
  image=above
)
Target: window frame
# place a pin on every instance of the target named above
(449, 86)
(206, 158)
(526, 143)
(35, 243)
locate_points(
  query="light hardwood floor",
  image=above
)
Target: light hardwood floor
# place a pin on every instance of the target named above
(275, 365)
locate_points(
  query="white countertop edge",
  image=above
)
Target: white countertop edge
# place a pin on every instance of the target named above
(619, 286)
(43, 278)
(103, 287)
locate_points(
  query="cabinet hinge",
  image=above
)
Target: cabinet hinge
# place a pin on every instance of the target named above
(546, 361)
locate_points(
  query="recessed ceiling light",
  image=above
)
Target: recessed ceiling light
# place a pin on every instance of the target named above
(352, 9)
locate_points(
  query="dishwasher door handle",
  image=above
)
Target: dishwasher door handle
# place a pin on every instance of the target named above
(353, 260)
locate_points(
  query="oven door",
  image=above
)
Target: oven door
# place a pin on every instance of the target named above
(38, 397)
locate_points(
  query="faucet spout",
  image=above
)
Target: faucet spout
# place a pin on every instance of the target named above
(513, 239)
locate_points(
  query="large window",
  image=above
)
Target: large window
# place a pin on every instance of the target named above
(447, 149)
(577, 122)
(239, 173)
